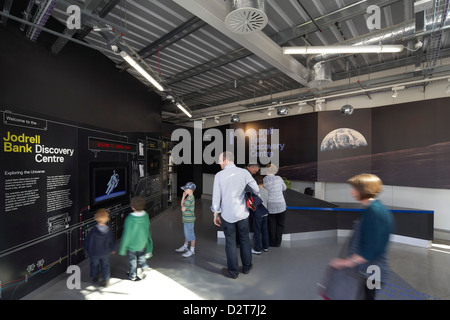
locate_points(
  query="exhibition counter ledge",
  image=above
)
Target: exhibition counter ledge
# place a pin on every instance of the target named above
(311, 218)
(308, 218)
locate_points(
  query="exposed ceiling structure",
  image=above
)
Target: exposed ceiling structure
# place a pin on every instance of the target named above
(190, 47)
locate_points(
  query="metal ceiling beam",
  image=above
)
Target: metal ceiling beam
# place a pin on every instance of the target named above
(407, 61)
(103, 13)
(231, 85)
(340, 15)
(173, 36)
(309, 16)
(57, 46)
(284, 36)
(6, 9)
(28, 23)
(214, 12)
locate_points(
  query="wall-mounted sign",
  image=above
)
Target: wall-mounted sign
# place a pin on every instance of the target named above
(14, 119)
(97, 144)
(153, 144)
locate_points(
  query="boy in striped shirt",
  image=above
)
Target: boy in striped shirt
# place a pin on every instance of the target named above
(188, 217)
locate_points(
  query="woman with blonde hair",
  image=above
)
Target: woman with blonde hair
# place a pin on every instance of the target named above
(370, 239)
(276, 205)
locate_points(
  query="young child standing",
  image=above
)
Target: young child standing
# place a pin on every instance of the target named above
(260, 217)
(136, 238)
(99, 244)
(188, 217)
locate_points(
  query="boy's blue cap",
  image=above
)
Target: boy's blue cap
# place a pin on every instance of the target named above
(189, 185)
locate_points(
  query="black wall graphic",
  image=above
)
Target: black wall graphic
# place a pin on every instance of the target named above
(405, 144)
(47, 199)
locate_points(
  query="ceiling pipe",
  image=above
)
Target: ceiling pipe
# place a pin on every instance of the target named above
(398, 33)
(333, 96)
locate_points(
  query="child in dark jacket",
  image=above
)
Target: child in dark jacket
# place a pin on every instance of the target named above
(99, 244)
(260, 216)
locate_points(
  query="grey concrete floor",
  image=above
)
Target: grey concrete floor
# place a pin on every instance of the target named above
(290, 272)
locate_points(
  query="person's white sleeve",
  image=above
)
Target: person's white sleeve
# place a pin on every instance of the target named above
(283, 184)
(216, 197)
(252, 184)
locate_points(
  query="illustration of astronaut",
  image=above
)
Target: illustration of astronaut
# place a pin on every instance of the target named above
(113, 182)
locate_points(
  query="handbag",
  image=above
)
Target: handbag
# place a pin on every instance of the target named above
(342, 284)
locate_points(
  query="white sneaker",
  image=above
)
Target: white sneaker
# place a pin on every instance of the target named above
(188, 254)
(182, 249)
(256, 252)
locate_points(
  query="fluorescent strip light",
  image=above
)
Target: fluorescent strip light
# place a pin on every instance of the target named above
(184, 110)
(343, 49)
(139, 69)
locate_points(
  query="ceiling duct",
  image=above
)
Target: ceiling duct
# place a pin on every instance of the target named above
(398, 33)
(245, 16)
(320, 75)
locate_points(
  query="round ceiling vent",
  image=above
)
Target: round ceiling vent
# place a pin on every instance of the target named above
(246, 16)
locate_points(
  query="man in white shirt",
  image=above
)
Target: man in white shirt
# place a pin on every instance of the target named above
(230, 212)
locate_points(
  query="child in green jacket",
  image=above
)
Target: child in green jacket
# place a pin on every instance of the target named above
(136, 238)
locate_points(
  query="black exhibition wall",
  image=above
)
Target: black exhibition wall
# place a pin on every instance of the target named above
(55, 175)
(79, 84)
(62, 117)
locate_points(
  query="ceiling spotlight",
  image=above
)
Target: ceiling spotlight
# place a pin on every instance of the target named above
(282, 111)
(346, 110)
(217, 119)
(203, 120)
(395, 91)
(270, 109)
(319, 104)
(235, 118)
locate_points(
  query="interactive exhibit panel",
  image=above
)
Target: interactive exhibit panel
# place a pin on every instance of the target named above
(54, 176)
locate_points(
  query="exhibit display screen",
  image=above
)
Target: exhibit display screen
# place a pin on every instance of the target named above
(109, 183)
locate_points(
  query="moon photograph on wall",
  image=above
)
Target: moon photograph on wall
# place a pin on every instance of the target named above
(343, 138)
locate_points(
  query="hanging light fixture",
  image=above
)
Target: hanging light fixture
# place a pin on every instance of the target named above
(395, 91)
(344, 49)
(141, 70)
(282, 111)
(319, 104)
(346, 110)
(235, 118)
(184, 109)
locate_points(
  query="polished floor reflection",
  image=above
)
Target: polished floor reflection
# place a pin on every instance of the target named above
(285, 273)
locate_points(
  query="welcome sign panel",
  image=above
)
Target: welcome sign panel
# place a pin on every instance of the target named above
(37, 178)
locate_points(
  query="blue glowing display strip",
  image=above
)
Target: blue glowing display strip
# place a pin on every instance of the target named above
(357, 210)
